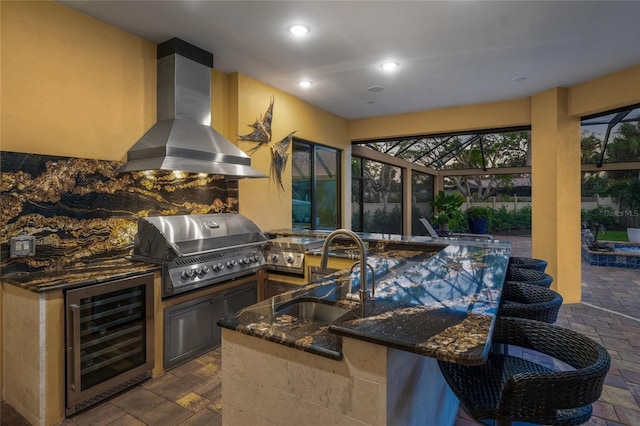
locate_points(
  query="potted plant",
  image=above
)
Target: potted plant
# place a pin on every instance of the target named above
(477, 218)
(447, 211)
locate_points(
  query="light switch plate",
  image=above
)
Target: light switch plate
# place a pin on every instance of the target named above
(22, 246)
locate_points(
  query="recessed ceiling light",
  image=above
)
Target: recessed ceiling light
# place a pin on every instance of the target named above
(388, 66)
(519, 78)
(298, 30)
(305, 83)
(375, 89)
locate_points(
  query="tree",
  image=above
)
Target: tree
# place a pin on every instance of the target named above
(590, 148)
(590, 151)
(624, 147)
(507, 149)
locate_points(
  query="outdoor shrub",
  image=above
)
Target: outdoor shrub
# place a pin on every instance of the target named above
(384, 221)
(508, 220)
(478, 212)
(601, 215)
(522, 218)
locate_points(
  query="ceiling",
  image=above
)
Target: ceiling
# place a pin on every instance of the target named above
(450, 52)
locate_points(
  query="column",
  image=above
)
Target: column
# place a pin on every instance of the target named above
(555, 166)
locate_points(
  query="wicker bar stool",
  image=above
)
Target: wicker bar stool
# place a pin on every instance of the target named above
(508, 388)
(523, 300)
(528, 263)
(529, 276)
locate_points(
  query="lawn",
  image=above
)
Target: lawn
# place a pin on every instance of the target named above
(614, 236)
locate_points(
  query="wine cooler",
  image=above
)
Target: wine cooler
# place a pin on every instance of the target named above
(109, 339)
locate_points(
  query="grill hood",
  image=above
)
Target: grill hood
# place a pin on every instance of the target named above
(182, 139)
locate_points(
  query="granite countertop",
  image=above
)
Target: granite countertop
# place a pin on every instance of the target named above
(441, 305)
(78, 276)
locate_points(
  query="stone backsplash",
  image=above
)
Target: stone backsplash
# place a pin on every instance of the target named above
(82, 211)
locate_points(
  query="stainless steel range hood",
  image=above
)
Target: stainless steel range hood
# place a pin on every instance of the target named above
(183, 139)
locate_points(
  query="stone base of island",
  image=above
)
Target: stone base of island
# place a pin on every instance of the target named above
(270, 384)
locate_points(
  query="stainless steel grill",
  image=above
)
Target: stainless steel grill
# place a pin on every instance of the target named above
(199, 250)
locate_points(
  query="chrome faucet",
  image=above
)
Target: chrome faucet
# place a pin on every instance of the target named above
(324, 259)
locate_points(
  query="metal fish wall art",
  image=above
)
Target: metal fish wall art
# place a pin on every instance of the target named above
(262, 135)
(279, 157)
(261, 130)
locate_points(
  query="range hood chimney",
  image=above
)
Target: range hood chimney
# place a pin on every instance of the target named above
(182, 139)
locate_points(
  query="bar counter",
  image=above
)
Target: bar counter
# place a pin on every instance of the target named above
(435, 303)
(81, 275)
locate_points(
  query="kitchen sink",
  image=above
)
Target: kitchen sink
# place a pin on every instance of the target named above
(311, 311)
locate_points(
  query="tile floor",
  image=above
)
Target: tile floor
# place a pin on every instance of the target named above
(609, 313)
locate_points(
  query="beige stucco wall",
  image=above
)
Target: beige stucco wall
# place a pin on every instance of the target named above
(262, 200)
(608, 92)
(466, 117)
(71, 85)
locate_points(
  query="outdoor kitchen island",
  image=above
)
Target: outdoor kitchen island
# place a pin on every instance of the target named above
(311, 356)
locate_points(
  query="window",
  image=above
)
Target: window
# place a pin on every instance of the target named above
(478, 150)
(610, 153)
(486, 166)
(421, 200)
(377, 196)
(316, 185)
(612, 137)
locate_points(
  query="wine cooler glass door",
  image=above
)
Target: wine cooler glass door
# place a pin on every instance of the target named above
(108, 333)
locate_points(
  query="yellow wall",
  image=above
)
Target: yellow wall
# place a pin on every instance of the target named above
(262, 200)
(467, 117)
(611, 91)
(74, 86)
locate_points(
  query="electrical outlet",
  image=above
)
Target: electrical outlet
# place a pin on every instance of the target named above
(22, 246)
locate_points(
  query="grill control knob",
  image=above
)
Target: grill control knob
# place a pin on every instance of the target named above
(205, 269)
(274, 257)
(246, 260)
(289, 259)
(189, 272)
(198, 271)
(220, 266)
(252, 258)
(231, 263)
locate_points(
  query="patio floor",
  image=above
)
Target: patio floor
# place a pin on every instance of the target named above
(609, 313)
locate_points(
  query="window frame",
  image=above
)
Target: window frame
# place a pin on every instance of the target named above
(313, 148)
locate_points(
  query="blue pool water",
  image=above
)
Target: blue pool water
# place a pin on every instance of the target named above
(626, 249)
(622, 256)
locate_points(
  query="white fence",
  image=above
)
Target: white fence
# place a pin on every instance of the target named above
(494, 203)
(517, 204)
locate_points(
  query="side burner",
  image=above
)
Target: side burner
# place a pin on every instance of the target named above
(286, 254)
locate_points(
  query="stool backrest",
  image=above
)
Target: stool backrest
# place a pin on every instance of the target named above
(529, 276)
(564, 389)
